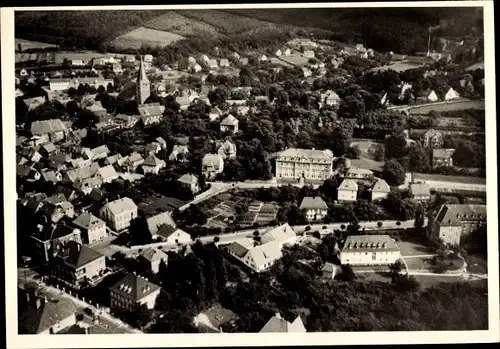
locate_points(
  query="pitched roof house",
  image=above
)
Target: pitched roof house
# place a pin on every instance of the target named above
(227, 150)
(153, 257)
(420, 191)
(442, 157)
(347, 190)
(152, 164)
(380, 190)
(93, 229)
(155, 222)
(133, 290)
(229, 124)
(189, 182)
(38, 315)
(278, 324)
(315, 207)
(178, 150)
(212, 164)
(107, 174)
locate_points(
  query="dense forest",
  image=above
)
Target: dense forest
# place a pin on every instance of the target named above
(403, 30)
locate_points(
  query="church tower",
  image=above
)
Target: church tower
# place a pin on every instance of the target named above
(143, 86)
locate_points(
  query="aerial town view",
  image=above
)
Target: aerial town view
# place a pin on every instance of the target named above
(250, 170)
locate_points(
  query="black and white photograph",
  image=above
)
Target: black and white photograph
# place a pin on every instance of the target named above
(257, 169)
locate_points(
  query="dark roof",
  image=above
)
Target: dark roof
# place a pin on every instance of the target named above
(237, 249)
(135, 287)
(47, 126)
(33, 321)
(453, 214)
(166, 230)
(78, 255)
(51, 233)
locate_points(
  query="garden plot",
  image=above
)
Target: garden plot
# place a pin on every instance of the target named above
(145, 36)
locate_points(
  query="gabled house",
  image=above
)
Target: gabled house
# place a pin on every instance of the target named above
(189, 183)
(153, 148)
(282, 235)
(28, 173)
(330, 270)
(38, 315)
(433, 139)
(196, 68)
(100, 152)
(451, 94)
(51, 176)
(81, 173)
(450, 222)
(380, 190)
(132, 291)
(155, 222)
(152, 258)
(420, 191)
(224, 63)
(172, 235)
(87, 185)
(107, 174)
(262, 58)
(152, 165)
(179, 153)
(119, 213)
(315, 208)
(57, 207)
(442, 157)
(306, 72)
(49, 240)
(227, 150)
(52, 130)
(162, 142)
(215, 114)
(111, 160)
(126, 121)
(212, 164)
(369, 250)
(151, 113)
(92, 228)
(229, 124)
(212, 64)
(77, 265)
(277, 324)
(183, 101)
(347, 190)
(134, 161)
(308, 54)
(332, 98)
(432, 96)
(358, 173)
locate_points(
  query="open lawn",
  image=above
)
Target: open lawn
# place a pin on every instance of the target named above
(434, 280)
(399, 66)
(31, 45)
(443, 178)
(476, 264)
(145, 36)
(418, 263)
(366, 148)
(225, 22)
(277, 60)
(370, 277)
(158, 204)
(295, 60)
(176, 23)
(412, 248)
(449, 106)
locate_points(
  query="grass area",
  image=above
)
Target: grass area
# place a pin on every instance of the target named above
(176, 23)
(146, 36)
(295, 60)
(399, 67)
(458, 105)
(427, 281)
(476, 264)
(369, 277)
(444, 178)
(414, 248)
(418, 263)
(158, 204)
(225, 22)
(276, 60)
(29, 45)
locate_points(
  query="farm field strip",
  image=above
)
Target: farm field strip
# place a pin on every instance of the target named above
(449, 106)
(140, 36)
(176, 23)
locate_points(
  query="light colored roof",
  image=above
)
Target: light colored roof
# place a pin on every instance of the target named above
(431, 133)
(87, 221)
(134, 287)
(228, 146)
(229, 120)
(188, 179)
(212, 160)
(153, 255)
(155, 222)
(452, 214)
(442, 153)
(120, 205)
(183, 100)
(381, 186)
(150, 109)
(153, 161)
(305, 153)
(419, 189)
(180, 149)
(49, 147)
(265, 253)
(348, 184)
(355, 172)
(313, 202)
(92, 182)
(369, 243)
(113, 158)
(107, 172)
(278, 234)
(277, 324)
(47, 126)
(83, 172)
(333, 96)
(135, 157)
(160, 140)
(330, 267)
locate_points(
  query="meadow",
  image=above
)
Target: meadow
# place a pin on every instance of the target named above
(145, 36)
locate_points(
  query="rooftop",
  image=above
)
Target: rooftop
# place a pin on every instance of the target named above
(419, 189)
(121, 205)
(87, 221)
(134, 287)
(314, 203)
(278, 324)
(369, 243)
(78, 255)
(453, 214)
(155, 222)
(305, 153)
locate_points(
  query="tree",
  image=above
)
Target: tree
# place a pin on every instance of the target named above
(379, 152)
(395, 146)
(353, 152)
(139, 231)
(340, 140)
(347, 273)
(393, 173)
(418, 158)
(379, 225)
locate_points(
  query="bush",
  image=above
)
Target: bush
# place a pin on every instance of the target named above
(216, 239)
(308, 228)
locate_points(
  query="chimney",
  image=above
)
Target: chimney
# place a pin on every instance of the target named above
(28, 297)
(19, 48)
(38, 303)
(278, 316)
(78, 247)
(46, 300)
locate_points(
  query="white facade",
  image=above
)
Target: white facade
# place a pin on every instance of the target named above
(119, 217)
(304, 163)
(369, 258)
(316, 214)
(369, 250)
(347, 194)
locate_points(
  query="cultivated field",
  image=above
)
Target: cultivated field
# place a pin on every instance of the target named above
(295, 60)
(276, 60)
(158, 204)
(399, 67)
(366, 148)
(30, 45)
(454, 179)
(449, 106)
(175, 23)
(225, 22)
(145, 36)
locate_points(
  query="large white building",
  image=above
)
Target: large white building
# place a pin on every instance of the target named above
(369, 250)
(304, 163)
(63, 84)
(119, 213)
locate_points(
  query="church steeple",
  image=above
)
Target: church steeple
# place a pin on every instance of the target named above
(143, 85)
